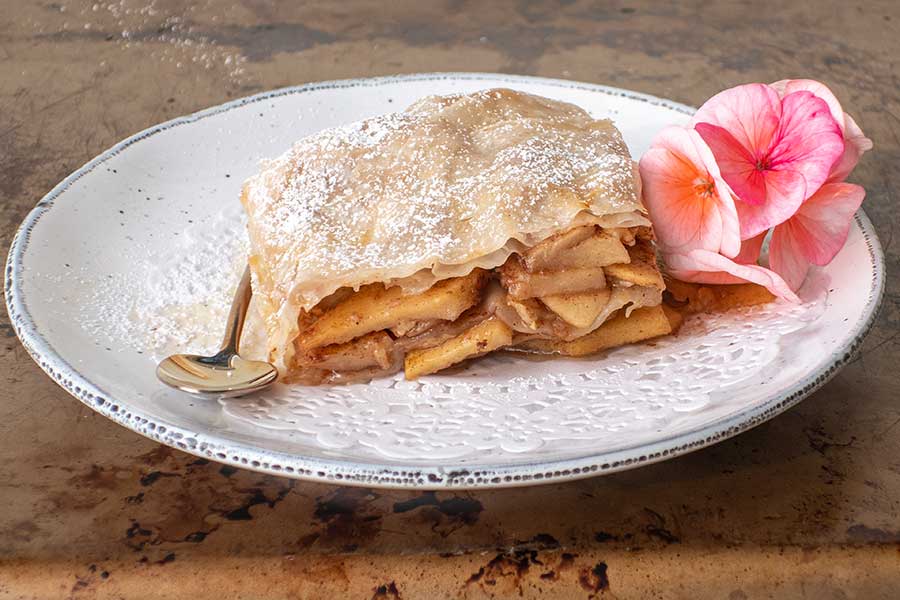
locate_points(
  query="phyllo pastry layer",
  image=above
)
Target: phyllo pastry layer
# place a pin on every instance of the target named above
(463, 225)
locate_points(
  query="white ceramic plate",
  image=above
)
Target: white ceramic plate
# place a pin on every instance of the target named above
(136, 254)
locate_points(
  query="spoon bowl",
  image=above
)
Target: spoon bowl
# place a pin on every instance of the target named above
(221, 376)
(225, 374)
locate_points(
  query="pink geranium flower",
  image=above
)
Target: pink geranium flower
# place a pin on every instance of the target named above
(758, 157)
(773, 152)
(690, 204)
(812, 236)
(694, 215)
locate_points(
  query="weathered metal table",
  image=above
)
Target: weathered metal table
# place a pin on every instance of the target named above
(803, 506)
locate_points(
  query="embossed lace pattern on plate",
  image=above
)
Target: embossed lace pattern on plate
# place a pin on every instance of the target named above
(511, 404)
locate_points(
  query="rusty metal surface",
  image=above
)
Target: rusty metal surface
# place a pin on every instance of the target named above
(803, 506)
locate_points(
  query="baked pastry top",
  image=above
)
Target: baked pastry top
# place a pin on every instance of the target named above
(451, 185)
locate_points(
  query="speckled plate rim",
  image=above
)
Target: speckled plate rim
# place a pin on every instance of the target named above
(398, 475)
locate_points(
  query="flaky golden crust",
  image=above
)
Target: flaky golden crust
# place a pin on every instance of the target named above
(451, 184)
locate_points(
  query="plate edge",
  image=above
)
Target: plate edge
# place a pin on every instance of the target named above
(403, 476)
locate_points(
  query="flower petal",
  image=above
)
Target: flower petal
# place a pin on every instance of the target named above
(820, 227)
(750, 250)
(786, 190)
(702, 266)
(689, 203)
(749, 112)
(786, 257)
(817, 88)
(771, 169)
(731, 226)
(809, 140)
(855, 144)
(737, 164)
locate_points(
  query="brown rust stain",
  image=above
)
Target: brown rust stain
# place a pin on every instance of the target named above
(153, 476)
(157, 456)
(872, 535)
(255, 496)
(541, 541)
(137, 537)
(603, 537)
(656, 529)
(446, 515)
(88, 490)
(594, 579)
(195, 516)
(348, 518)
(227, 470)
(566, 562)
(80, 584)
(505, 572)
(86, 582)
(387, 591)
(23, 531)
(821, 441)
(97, 477)
(186, 499)
(327, 572)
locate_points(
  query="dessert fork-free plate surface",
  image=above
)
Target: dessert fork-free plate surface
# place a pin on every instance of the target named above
(136, 254)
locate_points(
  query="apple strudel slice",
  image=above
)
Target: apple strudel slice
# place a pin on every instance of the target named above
(463, 225)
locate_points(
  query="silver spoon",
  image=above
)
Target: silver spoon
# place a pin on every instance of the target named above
(225, 374)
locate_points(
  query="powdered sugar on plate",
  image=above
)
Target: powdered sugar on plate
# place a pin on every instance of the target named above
(180, 294)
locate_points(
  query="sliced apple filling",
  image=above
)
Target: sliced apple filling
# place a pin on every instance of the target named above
(580, 309)
(489, 335)
(577, 292)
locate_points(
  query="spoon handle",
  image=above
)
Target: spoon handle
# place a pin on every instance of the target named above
(237, 314)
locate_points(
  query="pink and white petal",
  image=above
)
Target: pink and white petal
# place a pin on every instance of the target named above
(855, 145)
(855, 142)
(731, 225)
(817, 88)
(736, 163)
(750, 250)
(702, 266)
(780, 85)
(786, 257)
(670, 172)
(669, 195)
(786, 191)
(710, 277)
(819, 229)
(686, 142)
(852, 131)
(750, 112)
(809, 142)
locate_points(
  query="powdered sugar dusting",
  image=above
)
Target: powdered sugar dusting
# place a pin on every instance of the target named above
(179, 294)
(449, 180)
